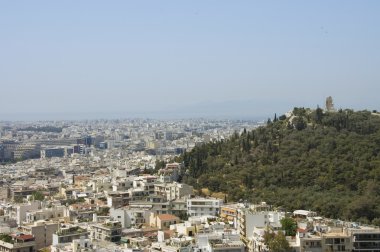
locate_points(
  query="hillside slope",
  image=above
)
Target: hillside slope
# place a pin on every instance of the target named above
(327, 162)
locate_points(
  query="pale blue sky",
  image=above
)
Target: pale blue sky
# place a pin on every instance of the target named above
(121, 57)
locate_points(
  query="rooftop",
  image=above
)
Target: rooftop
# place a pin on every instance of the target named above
(167, 217)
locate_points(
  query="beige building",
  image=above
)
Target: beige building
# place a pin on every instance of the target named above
(229, 212)
(42, 231)
(305, 242)
(54, 213)
(173, 191)
(19, 211)
(163, 221)
(336, 241)
(5, 192)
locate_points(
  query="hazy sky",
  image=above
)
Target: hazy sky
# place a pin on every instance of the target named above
(252, 57)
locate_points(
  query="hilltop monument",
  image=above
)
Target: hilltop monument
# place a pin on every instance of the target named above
(330, 104)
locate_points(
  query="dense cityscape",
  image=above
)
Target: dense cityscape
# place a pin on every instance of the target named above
(115, 185)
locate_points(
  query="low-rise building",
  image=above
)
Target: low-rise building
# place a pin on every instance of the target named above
(163, 221)
(173, 191)
(17, 243)
(53, 213)
(81, 244)
(219, 242)
(130, 217)
(307, 242)
(108, 231)
(19, 211)
(67, 233)
(203, 206)
(42, 231)
(230, 212)
(337, 241)
(365, 239)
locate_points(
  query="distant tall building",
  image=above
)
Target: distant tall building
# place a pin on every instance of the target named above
(168, 135)
(26, 151)
(1, 153)
(53, 152)
(87, 140)
(8, 149)
(330, 104)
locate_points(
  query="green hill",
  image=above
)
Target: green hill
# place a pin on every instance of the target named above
(328, 162)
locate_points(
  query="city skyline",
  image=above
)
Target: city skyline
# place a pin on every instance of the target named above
(189, 59)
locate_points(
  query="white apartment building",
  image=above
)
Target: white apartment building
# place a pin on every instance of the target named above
(130, 217)
(204, 206)
(252, 224)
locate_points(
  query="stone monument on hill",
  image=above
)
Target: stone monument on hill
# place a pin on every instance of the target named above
(329, 104)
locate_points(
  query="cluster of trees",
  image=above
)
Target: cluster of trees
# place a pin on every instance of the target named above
(37, 195)
(325, 161)
(6, 238)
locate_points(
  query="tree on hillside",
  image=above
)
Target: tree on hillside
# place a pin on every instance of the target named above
(38, 196)
(289, 225)
(318, 115)
(159, 165)
(299, 123)
(279, 243)
(268, 236)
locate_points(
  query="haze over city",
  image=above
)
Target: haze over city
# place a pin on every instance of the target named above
(189, 126)
(175, 59)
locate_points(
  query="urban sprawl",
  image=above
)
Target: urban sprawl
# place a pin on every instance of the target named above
(95, 186)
